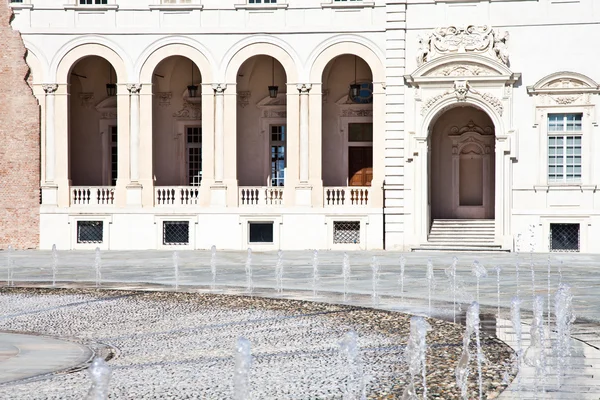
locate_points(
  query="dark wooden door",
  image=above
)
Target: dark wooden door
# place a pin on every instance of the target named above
(360, 165)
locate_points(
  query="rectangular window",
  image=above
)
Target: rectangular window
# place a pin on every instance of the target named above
(260, 232)
(564, 237)
(90, 231)
(360, 154)
(194, 155)
(262, 1)
(278, 155)
(93, 1)
(176, 233)
(564, 147)
(360, 132)
(113, 156)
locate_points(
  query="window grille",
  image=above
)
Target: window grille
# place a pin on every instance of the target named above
(262, 1)
(346, 232)
(93, 1)
(176, 233)
(564, 237)
(260, 232)
(90, 231)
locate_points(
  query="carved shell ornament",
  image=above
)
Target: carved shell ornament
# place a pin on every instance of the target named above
(461, 89)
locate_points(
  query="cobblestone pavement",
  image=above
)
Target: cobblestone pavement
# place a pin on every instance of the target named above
(153, 270)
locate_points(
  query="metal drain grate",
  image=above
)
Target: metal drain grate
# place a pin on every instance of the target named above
(176, 233)
(90, 231)
(564, 237)
(346, 232)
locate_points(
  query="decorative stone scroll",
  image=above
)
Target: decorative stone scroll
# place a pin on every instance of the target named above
(189, 111)
(470, 39)
(50, 88)
(461, 89)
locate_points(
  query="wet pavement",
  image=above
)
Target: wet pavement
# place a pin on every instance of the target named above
(522, 275)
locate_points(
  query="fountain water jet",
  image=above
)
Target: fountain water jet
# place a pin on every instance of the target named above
(315, 277)
(241, 374)
(54, 264)
(375, 267)
(10, 263)
(415, 355)
(346, 274)
(430, 283)
(480, 272)
(213, 266)
(515, 317)
(565, 317)
(401, 281)
(176, 269)
(100, 374)
(98, 267)
(535, 355)
(248, 268)
(498, 270)
(451, 273)
(279, 272)
(462, 369)
(355, 381)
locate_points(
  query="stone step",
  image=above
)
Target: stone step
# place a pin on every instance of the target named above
(460, 240)
(460, 233)
(456, 247)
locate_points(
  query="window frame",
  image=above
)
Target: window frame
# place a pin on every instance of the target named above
(585, 153)
(188, 146)
(285, 150)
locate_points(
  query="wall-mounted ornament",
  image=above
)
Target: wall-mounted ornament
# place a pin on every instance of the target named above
(243, 98)
(87, 99)
(164, 98)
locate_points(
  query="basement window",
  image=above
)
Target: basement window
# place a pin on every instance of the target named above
(564, 237)
(90, 231)
(260, 232)
(176, 233)
(345, 232)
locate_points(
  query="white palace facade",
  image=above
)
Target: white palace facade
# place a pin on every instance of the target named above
(316, 124)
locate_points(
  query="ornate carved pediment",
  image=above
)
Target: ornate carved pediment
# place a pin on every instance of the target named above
(108, 108)
(471, 127)
(348, 108)
(475, 39)
(565, 87)
(189, 111)
(462, 69)
(274, 107)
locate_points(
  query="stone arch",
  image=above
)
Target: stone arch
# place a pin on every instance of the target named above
(65, 60)
(174, 46)
(37, 62)
(267, 46)
(564, 81)
(341, 45)
(450, 102)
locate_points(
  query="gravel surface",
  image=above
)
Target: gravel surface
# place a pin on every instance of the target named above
(181, 345)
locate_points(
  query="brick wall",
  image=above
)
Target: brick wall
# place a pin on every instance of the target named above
(19, 143)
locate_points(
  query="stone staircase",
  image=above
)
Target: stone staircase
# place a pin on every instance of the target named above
(461, 235)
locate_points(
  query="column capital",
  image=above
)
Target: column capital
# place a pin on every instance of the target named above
(50, 88)
(304, 88)
(219, 88)
(134, 88)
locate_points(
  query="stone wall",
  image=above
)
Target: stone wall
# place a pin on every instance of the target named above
(19, 143)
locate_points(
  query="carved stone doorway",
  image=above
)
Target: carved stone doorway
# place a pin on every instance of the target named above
(462, 162)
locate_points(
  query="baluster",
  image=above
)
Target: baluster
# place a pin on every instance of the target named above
(99, 197)
(366, 196)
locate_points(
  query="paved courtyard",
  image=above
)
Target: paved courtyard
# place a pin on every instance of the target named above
(154, 270)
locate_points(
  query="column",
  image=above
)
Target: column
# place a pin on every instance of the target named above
(134, 189)
(219, 190)
(219, 89)
(49, 189)
(304, 153)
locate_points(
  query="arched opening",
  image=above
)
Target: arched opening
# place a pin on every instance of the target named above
(177, 123)
(261, 122)
(462, 165)
(347, 123)
(93, 133)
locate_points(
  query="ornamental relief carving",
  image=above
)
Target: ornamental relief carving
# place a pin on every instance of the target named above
(189, 111)
(461, 89)
(470, 39)
(362, 112)
(471, 127)
(467, 69)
